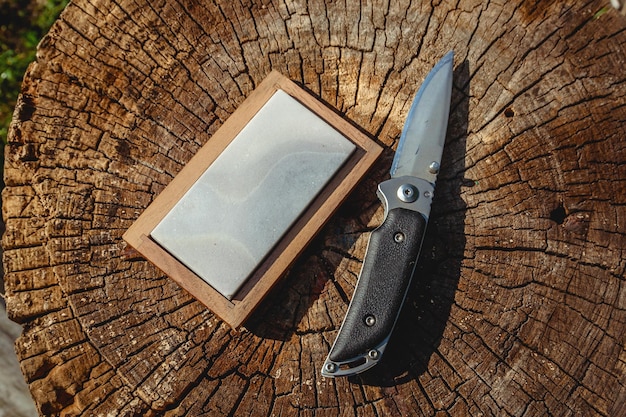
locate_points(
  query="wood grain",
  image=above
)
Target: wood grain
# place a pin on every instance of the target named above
(518, 307)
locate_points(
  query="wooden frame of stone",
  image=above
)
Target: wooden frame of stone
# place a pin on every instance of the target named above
(237, 310)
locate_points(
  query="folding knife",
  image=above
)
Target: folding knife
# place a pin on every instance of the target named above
(394, 246)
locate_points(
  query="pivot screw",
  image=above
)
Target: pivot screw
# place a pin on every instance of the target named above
(434, 167)
(370, 320)
(408, 193)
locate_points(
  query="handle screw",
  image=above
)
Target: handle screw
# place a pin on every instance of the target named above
(330, 367)
(398, 237)
(370, 320)
(373, 354)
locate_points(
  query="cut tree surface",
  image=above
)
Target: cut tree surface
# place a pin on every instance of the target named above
(518, 306)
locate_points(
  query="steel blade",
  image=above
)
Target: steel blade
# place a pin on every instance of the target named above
(424, 133)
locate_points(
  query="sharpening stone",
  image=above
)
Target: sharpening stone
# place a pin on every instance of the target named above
(249, 197)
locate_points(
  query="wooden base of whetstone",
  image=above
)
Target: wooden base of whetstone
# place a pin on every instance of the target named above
(239, 213)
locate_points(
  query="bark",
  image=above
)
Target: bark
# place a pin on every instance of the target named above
(519, 303)
(15, 399)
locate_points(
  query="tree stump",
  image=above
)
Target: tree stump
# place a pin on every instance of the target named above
(519, 303)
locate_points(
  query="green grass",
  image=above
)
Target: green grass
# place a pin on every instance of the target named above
(22, 25)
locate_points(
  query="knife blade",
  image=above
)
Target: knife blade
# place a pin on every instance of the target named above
(394, 246)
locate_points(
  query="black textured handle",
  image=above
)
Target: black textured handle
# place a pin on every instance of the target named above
(387, 269)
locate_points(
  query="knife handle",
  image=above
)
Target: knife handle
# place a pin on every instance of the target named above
(380, 291)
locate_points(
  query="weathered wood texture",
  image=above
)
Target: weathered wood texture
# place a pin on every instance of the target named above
(519, 305)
